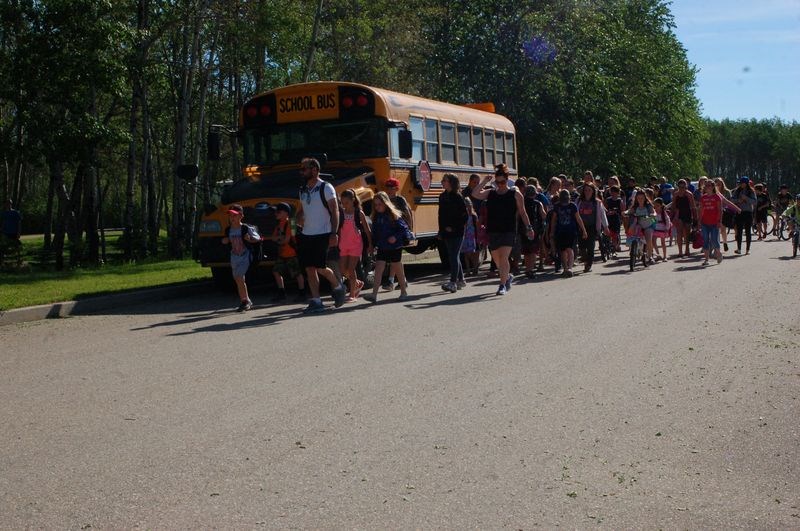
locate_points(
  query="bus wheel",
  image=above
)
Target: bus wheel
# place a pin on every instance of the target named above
(419, 248)
(223, 280)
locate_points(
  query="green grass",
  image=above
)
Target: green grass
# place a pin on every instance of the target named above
(39, 283)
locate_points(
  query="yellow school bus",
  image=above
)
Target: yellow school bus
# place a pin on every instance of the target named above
(362, 136)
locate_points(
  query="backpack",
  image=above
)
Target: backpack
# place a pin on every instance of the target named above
(253, 247)
(532, 208)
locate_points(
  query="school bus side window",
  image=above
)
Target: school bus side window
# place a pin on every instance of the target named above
(448, 142)
(488, 140)
(510, 158)
(464, 149)
(432, 140)
(477, 146)
(498, 146)
(418, 136)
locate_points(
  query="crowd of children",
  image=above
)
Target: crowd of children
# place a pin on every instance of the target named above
(523, 226)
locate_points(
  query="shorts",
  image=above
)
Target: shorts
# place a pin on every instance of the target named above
(761, 216)
(614, 223)
(240, 263)
(312, 251)
(661, 234)
(529, 246)
(391, 256)
(287, 267)
(710, 236)
(501, 239)
(565, 240)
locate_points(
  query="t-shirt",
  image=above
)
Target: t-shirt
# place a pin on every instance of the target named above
(11, 222)
(317, 217)
(565, 217)
(614, 206)
(286, 249)
(762, 201)
(792, 212)
(666, 193)
(784, 200)
(710, 209)
(588, 212)
(237, 241)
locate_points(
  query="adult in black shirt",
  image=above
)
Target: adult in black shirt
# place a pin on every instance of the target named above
(452, 218)
(503, 205)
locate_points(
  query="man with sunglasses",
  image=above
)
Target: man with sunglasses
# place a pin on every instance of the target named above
(318, 215)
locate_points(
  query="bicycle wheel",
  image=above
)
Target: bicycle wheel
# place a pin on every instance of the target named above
(634, 248)
(781, 230)
(770, 225)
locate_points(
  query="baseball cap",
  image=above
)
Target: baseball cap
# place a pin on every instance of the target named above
(236, 210)
(745, 180)
(392, 183)
(284, 207)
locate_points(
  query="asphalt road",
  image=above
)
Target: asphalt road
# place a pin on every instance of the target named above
(666, 398)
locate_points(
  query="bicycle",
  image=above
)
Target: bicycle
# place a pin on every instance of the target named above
(636, 242)
(795, 234)
(607, 249)
(781, 229)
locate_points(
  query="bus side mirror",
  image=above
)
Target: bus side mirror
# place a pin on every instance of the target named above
(214, 145)
(187, 172)
(404, 143)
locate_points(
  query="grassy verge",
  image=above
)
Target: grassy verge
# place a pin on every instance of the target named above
(41, 285)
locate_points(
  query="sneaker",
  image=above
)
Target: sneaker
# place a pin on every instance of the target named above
(403, 297)
(737, 251)
(314, 307)
(530, 275)
(719, 258)
(502, 290)
(568, 274)
(461, 284)
(564, 274)
(244, 306)
(509, 281)
(449, 286)
(339, 295)
(389, 286)
(371, 297)
(705, 263)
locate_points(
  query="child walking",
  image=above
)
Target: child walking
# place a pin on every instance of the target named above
(390, 233)
(663, 229)
(353, 231)
(469, 247)
(286, 264)
(238, 235)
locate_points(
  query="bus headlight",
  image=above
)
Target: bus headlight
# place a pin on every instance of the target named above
(210, 226)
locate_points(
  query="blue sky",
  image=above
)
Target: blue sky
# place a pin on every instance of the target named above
(747, 53)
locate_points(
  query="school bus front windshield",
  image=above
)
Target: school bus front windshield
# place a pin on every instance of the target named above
(288, 143)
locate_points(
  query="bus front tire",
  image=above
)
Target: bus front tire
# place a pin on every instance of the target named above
(223, 279)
